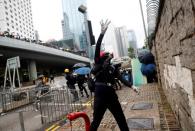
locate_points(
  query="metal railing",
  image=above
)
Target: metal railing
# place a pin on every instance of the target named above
(56, 104)
(52, 106)
(17, 99)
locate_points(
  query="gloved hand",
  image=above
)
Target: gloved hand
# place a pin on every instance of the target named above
(136, 90)
(104, 26)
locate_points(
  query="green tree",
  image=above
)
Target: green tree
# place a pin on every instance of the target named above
(131, 52)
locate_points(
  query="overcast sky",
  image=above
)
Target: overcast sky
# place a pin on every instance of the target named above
(47, 16)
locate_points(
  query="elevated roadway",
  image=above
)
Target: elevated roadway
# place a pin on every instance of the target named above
(12, 47)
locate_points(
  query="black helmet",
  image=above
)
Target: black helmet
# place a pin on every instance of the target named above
(105, 55)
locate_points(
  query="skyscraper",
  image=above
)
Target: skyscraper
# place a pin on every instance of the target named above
(122, 40)
(73, 23)
(132, 39)
(152, 12)
(110, 41)
(16, 17)
(116, 41)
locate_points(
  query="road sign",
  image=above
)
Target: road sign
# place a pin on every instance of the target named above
(11, 71)
(13, 62)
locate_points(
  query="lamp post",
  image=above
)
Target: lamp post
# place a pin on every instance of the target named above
(83, 10)
(143, 18)
(146, 37)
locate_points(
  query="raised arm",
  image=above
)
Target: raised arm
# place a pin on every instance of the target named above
(104, 27)
(125, 82)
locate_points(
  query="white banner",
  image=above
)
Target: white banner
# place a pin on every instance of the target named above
(13, 62)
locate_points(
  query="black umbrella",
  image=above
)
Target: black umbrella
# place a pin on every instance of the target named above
(143, 52)
(78, 65)
(145, 57)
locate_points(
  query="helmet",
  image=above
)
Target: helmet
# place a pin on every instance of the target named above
(66, 71)
(105, 55)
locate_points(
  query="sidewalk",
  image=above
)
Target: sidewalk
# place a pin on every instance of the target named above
(145, 111)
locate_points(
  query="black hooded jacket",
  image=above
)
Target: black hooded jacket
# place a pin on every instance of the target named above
(105, 72)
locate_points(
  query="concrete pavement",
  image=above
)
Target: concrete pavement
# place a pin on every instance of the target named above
(146, 111)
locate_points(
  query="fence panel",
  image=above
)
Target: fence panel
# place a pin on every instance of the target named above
(17, 99)
(56, 104)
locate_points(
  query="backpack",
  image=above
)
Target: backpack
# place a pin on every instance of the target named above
(148, 69)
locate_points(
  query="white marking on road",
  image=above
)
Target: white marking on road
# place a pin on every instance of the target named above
(37, 116)
(40, 116)
(123, 102)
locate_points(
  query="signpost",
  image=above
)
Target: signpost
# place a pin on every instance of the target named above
(12, 66)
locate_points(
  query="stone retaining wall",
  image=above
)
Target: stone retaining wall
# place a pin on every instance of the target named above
(174, 48)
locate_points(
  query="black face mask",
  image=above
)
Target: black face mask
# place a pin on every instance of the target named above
(106, 58)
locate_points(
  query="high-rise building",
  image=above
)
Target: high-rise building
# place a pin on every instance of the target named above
(73, 23)
(16, 17)
(36, 35)
(110, 41)
(132, 39)
(152, 12)
(122, 40)
(116, 41)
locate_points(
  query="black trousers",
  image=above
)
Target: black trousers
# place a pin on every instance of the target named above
(106, 98)
(152, 78)
(81, 88)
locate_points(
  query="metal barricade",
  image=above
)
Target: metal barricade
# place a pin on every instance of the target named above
(53, 105)
(56, 104)
(17, 99)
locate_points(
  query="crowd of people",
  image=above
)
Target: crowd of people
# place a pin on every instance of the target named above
(16, 36)
(48, 44)
(86, 83)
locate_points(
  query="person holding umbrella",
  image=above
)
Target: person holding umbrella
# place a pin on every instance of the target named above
(81, 79)
(105, 95)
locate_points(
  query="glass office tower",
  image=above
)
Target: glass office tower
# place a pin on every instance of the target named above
(73, 23)
(152, 12)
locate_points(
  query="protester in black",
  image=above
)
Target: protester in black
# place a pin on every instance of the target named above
(52, 78)
(71, 81)
(81, 80)
(105, 95)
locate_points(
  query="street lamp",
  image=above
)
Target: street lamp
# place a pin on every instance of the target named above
(83, 10)
(146, 37)
(140, 3)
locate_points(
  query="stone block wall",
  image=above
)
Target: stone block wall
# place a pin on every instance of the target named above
(174, 48)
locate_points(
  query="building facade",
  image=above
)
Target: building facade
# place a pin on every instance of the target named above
(122, 40)
(16, 18)
(116, 41)
(110, 41)
(73, 23)
(152, 12)
(132, 40)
